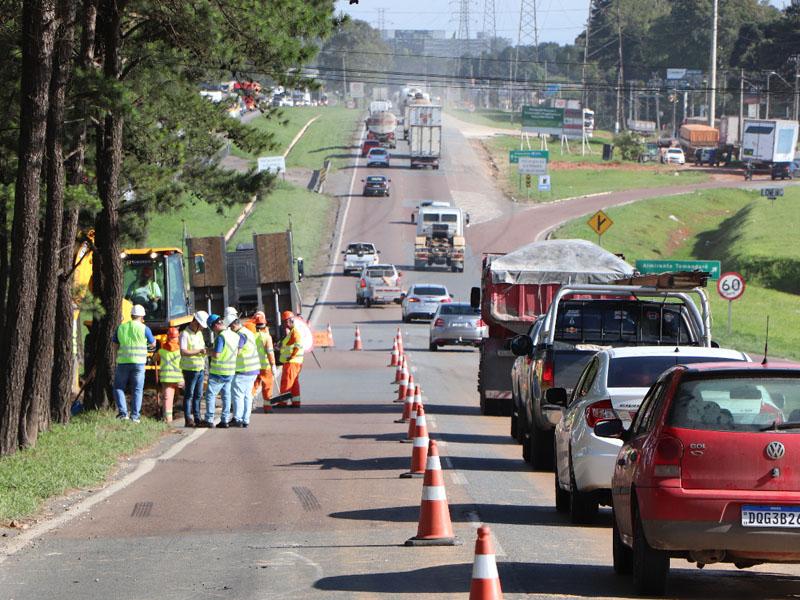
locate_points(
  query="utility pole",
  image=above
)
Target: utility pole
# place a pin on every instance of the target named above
(585, 93)
(620, 77)
(795, 58)
(344, 75)
(713, 75)
(741, 106)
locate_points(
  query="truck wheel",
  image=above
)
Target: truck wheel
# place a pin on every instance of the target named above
(541, 443)
(514, 425)
(526, 446)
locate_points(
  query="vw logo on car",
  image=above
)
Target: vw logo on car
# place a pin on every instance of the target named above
(775, 450)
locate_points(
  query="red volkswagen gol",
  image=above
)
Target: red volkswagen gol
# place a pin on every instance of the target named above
(709, 471)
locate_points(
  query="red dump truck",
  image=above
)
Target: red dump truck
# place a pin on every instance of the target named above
(518, 287)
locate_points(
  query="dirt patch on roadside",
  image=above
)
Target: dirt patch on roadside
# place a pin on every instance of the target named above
(676, 239)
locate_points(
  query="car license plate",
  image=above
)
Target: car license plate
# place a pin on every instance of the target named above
(459, 324)
(771, 516)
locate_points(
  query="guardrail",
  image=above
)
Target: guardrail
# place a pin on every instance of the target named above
(322, 176)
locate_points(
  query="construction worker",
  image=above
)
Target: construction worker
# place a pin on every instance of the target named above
(144, 290)
(169, 372)
(266, 354)
(292, 359)
(247, 368)
(132, 340)
(221, 368)
(193, 365)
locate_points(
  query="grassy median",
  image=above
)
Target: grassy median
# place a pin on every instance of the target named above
(79, 455)
(745, 232)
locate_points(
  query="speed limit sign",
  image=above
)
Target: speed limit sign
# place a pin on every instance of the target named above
(730, 285)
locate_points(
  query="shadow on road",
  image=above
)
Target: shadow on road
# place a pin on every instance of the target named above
(456, 438)
(347, 409)
(452, 409)
(389, 463)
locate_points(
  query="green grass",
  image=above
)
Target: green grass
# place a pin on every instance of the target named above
(81, 454)
(488, 117)
(201, 219)
(740, 229)
(576, 175)
(309, 214)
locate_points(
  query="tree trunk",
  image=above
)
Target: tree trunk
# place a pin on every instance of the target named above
(38, 379)
(38, 34)
(65, 356)
(107, 273)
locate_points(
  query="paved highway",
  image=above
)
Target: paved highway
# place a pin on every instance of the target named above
(308, 503)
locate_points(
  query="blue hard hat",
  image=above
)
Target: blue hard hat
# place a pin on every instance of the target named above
(212, 319)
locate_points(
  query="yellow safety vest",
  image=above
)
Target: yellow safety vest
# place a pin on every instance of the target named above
(132, 343)
(289, 344)
(264, 346)
(169, 370)
(225, 364)
(196, 362)
(247, 359)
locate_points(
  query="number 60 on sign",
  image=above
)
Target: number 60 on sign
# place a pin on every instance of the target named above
(730, 285)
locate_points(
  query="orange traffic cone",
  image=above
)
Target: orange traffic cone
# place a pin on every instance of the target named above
(434, 528)
(401, 392)
(485, 580)
(412, 420)
(398, 371)
(399, 341)
(330, 336)
(395, 355)
(409, 404)
(357, 342)
(419, 451)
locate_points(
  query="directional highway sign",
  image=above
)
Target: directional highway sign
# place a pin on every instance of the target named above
(600, 222)
(646, 267)
(532, 166)
(515, 155)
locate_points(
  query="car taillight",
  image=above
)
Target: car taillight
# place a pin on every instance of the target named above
(548, 378)
(413, 299)
(363, 283)
(446, 300)
(480, 323)
(667, 460)
(598, 412)
(439, 323)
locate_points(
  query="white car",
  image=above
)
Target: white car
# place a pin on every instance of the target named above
(422, 300)
(378, 157)
(673, 156)
(358, 255)
(611, 386)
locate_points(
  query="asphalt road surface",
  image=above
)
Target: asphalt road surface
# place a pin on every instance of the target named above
(309, 504)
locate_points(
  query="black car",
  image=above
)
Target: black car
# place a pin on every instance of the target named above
(376, 185)
(784, 170)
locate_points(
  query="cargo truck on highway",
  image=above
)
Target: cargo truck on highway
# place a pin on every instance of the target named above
(419, 98)
(381, 126)
(668, 309)
(768, 141)
(518, 287)
(424, 135)
(440, 238)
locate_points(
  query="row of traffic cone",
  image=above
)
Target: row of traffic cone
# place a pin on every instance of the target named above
(435, 527)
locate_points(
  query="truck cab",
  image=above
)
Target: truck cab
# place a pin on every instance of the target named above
(440, 238)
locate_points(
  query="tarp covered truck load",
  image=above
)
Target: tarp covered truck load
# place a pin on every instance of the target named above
(518, 287)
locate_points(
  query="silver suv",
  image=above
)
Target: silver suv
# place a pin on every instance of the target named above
(358, 255)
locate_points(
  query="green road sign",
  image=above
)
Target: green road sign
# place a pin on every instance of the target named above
(646, 267)
(542, 119)
(514, 155)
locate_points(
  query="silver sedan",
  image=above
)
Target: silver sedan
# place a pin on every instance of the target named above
(456, 324)
(422, 300)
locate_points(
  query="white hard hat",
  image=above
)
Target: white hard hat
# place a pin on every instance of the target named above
(201, 317)
(137, 310)
(230, 318)
(231, 311)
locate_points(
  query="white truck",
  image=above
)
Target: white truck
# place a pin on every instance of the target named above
(419, 98)
(768, 141)
(424, 135)
(440, 238)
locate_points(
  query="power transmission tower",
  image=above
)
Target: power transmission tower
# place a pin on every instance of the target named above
(463, 21)
(489, 23)
(528, 32)
(381, 20)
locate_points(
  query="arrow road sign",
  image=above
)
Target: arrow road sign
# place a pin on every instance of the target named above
(600, 222)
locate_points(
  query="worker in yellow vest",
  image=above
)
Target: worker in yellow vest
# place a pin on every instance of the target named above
(248, 365)
(132, 340)
(266, 353)
(193, 365)
(221, 368)
(169, 372)
(291, 354)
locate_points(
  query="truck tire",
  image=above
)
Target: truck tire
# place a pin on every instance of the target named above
(514, 425)
(541, 449)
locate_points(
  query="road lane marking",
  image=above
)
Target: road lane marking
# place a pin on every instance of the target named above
(475, 520)
(457, 477)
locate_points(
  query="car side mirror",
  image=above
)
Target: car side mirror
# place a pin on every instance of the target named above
(451, 295)
(475, 297)
(521, 345)
(389, 180)
(467, 218)
(362, 181)
(556, 395)
(610, 429)
(399, 273)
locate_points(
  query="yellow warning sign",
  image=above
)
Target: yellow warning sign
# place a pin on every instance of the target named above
(600, 222)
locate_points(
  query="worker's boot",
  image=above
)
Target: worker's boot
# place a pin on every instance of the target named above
(295, 402)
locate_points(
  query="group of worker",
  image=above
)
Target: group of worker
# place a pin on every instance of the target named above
(241, 361)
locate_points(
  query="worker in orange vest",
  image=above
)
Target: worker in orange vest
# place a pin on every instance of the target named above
(291, 354)
(266, 352)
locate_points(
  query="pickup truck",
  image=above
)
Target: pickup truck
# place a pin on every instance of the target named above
(379, 284)
(358, 255)
(583, 319)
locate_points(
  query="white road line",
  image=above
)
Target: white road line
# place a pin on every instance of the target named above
(475, 521)
(323, 297)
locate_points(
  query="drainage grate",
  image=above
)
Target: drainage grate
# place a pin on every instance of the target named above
(307, 498)
(142, 509)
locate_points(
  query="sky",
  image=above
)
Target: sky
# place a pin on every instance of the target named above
(558, 20)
